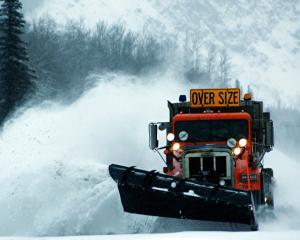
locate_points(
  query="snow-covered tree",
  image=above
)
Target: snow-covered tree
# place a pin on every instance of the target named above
(16, 76)
(224, 69)
(211, 59)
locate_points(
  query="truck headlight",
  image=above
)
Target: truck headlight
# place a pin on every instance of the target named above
(243, 142)
(175, 146)
(237, 151)
(170, 137)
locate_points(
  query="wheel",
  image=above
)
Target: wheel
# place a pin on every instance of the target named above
(254, 227)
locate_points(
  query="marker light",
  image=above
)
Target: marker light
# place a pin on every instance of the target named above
(243, 142)
(170, 137)
(247, 96)
(176, 146)
(182, 98)
(237, 151)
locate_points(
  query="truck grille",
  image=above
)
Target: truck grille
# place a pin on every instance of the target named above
(219, 164)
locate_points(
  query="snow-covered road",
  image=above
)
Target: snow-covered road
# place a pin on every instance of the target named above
(291, 235)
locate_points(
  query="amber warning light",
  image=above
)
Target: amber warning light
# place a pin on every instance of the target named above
(227, 97)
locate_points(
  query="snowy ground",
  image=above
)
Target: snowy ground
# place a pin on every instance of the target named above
(184, 236)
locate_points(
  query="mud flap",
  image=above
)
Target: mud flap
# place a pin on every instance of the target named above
(152, 193)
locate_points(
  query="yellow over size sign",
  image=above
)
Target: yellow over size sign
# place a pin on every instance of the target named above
(227, 97)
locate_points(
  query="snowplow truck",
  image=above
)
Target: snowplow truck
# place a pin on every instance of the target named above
(215, 145)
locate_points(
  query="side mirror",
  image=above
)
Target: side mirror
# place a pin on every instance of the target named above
(153, 142)
(269, 134)
(163, 126)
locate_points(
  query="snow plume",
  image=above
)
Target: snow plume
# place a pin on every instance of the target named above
(287, 195)
(54, 178)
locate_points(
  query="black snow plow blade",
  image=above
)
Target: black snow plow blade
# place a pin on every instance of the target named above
(152, 193)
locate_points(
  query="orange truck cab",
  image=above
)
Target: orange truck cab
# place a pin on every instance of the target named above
(221, 142)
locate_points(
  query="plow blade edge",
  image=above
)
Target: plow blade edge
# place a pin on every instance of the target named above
(152, 193)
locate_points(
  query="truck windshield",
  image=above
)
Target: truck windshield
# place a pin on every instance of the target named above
(210, 130)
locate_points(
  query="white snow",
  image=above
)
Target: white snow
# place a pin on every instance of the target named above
(183, 235)
(55, 179)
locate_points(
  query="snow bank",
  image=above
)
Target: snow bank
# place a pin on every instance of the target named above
(287, 195)
(54, 178)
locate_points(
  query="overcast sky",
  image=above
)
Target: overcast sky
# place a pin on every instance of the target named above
(30, 5)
